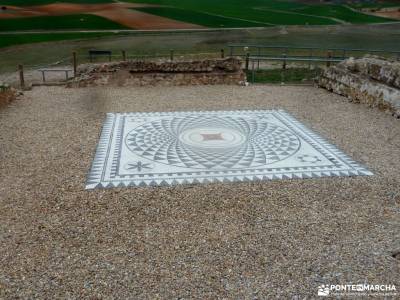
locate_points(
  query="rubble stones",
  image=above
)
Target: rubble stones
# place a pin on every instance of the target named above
(166, 73)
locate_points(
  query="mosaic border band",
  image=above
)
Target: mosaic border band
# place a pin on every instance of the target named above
(111, 132)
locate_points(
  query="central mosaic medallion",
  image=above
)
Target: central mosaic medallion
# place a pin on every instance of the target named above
(212, 142)
(138, 149)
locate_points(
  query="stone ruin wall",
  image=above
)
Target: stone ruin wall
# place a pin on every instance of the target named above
(371, 80)
(130, 73)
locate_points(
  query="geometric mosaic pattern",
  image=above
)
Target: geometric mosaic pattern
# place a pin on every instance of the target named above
(167, 148)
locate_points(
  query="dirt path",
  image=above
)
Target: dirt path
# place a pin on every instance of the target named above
(70, 8)
(19, 12)
(121, 13)
(140, 20)
(57, 9)
(386, 13)
(301, 14)
(392, 14)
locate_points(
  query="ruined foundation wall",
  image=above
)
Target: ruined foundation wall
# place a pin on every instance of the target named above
(202, 72)
(370, 80)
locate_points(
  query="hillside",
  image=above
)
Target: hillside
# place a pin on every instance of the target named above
(49, 16)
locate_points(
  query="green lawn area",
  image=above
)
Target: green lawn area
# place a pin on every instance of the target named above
(58, 22)
(209, 13)
(376, 4)
(248, 11)
(18, 39)
(292, 75)
(340, 12)
(42, 2)
(195, 17)
(281, 17)
(267, 11)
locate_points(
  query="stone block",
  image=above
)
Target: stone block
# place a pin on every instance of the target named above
(370, 80)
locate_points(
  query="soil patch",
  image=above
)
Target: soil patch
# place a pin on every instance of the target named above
(140, 20)
(6, 96)
(121, 13)
(391, 14)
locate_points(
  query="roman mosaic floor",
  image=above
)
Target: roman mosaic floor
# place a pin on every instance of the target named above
(168, 148)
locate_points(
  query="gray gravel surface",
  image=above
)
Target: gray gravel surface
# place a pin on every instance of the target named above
(235, 241)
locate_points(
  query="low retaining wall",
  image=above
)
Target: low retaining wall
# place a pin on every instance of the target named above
(371, 80)
(212, 71)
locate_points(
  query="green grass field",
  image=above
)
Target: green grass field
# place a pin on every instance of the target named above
(196, 17)
(208, 13)
(376, 4)
(42, 2)
(58, 23)
(269, 12)
(291, 75)
(235, 9)
(7, 40)
(230, 17)
(340, 12)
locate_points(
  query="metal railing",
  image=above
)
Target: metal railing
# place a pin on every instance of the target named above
(60, 71)
(310, 52)
(289, 69)
(258, 59)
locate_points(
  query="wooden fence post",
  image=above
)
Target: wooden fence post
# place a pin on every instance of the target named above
(171, 55)
(284, 61)
(247, 61)
(74, 62)
(222, 53)
(21, 76)
(253, 75)
(329, 57)
(123, 55)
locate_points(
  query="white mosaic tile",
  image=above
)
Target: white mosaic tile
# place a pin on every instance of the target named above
(167, 148)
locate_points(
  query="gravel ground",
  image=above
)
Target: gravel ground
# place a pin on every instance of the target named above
(237, 241)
